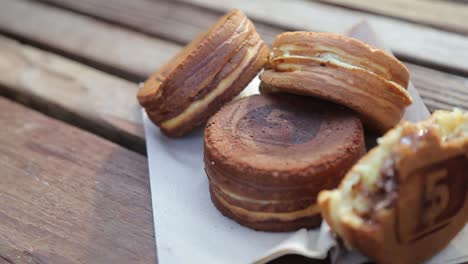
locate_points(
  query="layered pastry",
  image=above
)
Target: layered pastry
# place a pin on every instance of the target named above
(267, 158)
(343, 70)
(209, 72)
(408, 197)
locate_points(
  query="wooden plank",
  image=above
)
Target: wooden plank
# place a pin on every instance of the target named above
(67, 196)
(113, 48)
(440, 90)
(184, 31)
(411, 42)
(104, 104)
(446, 98)
(71, 91)
(95, 47)
(445, 15)
(171, 20)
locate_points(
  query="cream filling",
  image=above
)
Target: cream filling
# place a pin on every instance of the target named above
(199, 105)
(330, 59)
(336, 53)
(344, 204)
(243, 23)
(245, 199)
(324, 57)
(450, 126)
(263, 216)
(342, 53)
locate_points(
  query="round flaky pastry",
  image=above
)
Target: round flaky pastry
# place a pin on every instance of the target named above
(207, 73)
(343, 70)
(267, 157)
(408, 197)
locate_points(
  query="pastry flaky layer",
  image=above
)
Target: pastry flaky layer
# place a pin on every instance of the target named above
(343, 70)
(267, 158)
(408, 197)
(207, 73)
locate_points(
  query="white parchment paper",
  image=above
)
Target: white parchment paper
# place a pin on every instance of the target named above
(189, 229)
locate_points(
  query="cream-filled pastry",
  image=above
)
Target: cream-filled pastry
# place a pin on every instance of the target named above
(268, 156)
(343, 70)
(408, 197)
(206, 74)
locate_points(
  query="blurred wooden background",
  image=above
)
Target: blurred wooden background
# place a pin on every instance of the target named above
(74, 184)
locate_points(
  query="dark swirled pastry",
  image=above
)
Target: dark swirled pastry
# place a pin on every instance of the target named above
(267, 158)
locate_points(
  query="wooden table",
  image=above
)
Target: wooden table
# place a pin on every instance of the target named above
(74, 185)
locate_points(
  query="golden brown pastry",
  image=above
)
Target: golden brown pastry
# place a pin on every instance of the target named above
(267, 158)
(408, 197)
(209, 72)
(343, 70)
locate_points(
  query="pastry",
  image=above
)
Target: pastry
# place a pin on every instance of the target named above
(343, 70)
(209, 72)
(408, 197)
(267, 157)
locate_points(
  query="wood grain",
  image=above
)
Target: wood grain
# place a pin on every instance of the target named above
(445, 15)
(112, 48)
(437, 89)
(84, 96)
(170, 20)
(440, 90)
(411, 42)
(67, 196)
(106, 105)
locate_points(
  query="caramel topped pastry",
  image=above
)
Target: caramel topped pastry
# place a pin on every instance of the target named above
(267, 157)
(209, 72)
(343, 70)
(408, 197)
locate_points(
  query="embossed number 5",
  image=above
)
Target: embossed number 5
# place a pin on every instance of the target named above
(436, 196)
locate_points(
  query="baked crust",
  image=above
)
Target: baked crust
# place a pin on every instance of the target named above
(271, 225)
(273, 154)
(342, 70)
(407, 198)
(349, 50)
(210, 71)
